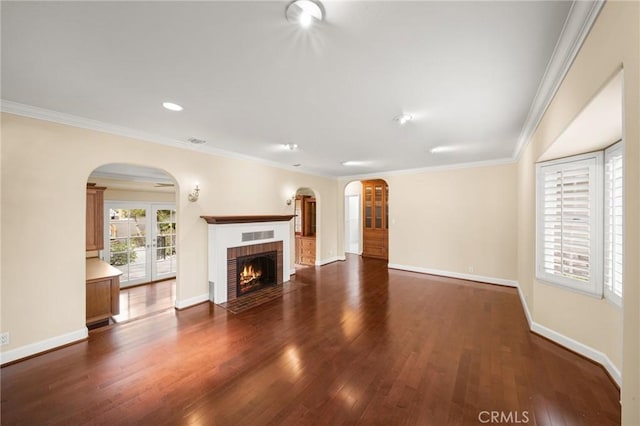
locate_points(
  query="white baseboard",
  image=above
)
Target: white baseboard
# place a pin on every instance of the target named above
(182, 304)
(569, 343)
(525, 307)
(470, 277)
(292, 272)
(327, 261)
(43, 345)
(584, 350)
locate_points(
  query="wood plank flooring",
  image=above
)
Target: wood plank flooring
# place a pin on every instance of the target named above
(140, 301)
(359, 344)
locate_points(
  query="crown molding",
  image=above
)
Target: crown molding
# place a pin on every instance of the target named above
(579, 22)
(30, 111)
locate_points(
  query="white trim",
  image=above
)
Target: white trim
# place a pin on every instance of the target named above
(292, 272)
(470, 277)
(192, 301)
(569, 343)
(342, 258)
(99, 126)
(525, 306)
(327, 261)
(43, 345)
(584, 350)
(580, 19)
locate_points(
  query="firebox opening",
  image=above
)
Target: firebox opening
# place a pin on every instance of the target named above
(256, 272)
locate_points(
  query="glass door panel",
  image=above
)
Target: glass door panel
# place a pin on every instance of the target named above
(368, 207)
(140, 240)
(164, 250)
(126, 248)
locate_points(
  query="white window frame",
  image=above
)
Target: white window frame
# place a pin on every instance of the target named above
(609, 293)
(594, 161)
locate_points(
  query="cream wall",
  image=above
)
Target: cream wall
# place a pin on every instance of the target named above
(146, 196)
(457, 222)
(614, 41)
(45, 167)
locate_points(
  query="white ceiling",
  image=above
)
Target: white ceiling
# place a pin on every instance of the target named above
(250, 81)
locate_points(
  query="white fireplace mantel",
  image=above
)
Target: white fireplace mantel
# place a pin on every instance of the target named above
(227, 231)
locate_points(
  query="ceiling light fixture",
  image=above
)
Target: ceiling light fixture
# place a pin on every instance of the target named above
(171, 106)
(442, 148)
(291, 146)
(305, 12)
(403, 118)
(352, 163)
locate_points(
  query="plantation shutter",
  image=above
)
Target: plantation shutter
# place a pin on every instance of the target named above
(568, 224)
(613, 223)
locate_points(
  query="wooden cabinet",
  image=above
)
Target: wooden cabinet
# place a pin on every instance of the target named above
(305, 228)
(306, 250)
(375, 226)
(95, 217)
(103, 291)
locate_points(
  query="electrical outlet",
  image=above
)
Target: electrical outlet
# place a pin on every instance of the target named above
(4, 338)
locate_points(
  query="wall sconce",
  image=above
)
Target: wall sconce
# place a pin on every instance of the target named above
(290, 200)
(193, 197)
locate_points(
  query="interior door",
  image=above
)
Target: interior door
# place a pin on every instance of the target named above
(163, 244)
(140, 240)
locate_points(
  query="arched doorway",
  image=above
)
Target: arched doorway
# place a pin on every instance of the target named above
(366, 218)
(305, 227)
(139, 235)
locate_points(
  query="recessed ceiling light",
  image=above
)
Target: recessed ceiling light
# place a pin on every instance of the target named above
(403, 118)
(171, 106)
(304, 12)
(291, 146)
(352, 163)
(297, 165)
(442, 148)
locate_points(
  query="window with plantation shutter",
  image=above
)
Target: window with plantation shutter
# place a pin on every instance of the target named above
(569, 230)
(613, 223)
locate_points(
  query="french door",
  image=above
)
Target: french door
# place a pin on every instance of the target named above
(140, 240)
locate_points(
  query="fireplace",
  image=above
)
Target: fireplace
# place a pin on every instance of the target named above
(256, 272)
(232, 238)
(243, 263)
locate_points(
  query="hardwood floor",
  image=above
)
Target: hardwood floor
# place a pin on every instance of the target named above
(143, 300)
(358, 344)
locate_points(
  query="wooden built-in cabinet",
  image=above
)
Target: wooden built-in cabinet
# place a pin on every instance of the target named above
(305, 228)
(103, 291)
(375, 212)
(103, 280)
(95, 217)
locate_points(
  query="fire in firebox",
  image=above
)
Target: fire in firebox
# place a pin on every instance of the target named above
(249, 274)
(255, 272)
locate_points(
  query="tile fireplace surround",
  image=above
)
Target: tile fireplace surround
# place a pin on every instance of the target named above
(229, 236)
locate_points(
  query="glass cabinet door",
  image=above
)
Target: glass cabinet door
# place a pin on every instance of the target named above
(368, 207)
(378, 204)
